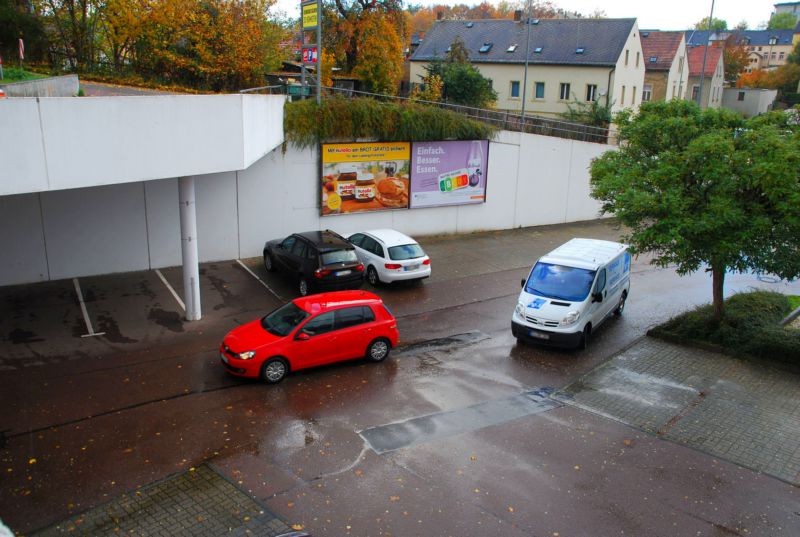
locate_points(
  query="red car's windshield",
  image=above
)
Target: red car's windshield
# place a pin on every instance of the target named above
(283, 320)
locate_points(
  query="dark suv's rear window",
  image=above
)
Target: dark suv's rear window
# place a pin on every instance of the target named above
(339, 256)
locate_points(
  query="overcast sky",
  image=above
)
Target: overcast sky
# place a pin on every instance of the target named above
(652, 14)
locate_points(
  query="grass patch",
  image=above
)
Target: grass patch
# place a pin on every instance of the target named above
(794, 301)
(15, 74)
(749, 329)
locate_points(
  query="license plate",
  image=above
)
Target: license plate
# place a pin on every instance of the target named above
(410, 267)
(343, 272)
(223, 357)
(539, 335)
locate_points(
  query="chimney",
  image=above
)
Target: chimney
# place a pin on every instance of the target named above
(439, 15)
(517, 15)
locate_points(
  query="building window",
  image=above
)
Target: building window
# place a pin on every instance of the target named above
(539, 94)
(740, 97)
(637, 59)
(515, 89)
(695, 91)
(780, 55)
(591, 92)
(627, 53)
(622, 97)
(647, 92)
(564, 92)
(633, 96)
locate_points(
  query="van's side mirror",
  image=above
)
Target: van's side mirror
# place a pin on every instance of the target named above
(522, 283)
(597, 297)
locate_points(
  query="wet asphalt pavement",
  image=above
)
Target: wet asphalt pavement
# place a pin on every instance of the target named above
(453, 435)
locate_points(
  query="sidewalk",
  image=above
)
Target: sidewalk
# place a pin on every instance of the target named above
(740, 411)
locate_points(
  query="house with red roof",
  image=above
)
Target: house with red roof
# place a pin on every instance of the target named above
(666, 73)
(706, 75)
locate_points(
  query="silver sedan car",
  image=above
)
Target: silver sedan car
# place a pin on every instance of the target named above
(390, 256)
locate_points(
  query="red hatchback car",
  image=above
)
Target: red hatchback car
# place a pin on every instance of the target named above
(311, 331)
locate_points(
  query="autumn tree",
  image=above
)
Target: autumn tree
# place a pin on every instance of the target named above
(705, 189)
(735, 58)
(122, 25)
(72, 27)
(380, 60)
(343, 22)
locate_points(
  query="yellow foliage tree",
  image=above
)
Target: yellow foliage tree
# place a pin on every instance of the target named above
(380, 55)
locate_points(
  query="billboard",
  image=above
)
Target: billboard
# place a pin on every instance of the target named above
(364, 176)
(448, 173)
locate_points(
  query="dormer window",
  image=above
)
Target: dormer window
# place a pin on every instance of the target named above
(470, 24)
(512, 48)
(537, 50)
(485, 48)
(653, 59)
(579, 50)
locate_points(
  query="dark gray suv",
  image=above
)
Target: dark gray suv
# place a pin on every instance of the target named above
(316, 260)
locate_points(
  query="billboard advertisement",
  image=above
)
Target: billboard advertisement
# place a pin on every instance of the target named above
(448, 173)
(364, 176)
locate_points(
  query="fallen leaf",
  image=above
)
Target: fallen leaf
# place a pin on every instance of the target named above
(510, 509)
(31, 461)
(577, 467)
(394, 498)
(297, 527)
(290, 504)
(473, 458)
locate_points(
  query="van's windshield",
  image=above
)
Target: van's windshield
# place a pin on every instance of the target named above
(560, 282)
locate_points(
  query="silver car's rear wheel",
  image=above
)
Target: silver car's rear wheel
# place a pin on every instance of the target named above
(372, 276)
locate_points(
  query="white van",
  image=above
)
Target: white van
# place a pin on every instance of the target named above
(571, 291)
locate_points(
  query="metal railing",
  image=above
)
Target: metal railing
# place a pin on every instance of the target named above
(502, 119)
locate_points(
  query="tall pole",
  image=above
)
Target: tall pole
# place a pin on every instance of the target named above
(527, 45)
(705, 55)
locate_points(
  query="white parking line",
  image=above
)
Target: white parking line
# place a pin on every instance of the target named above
(254, 275)
(171, 290)
(85, 313)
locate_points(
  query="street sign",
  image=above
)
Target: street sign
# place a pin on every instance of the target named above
(310, 15)
(310, 55)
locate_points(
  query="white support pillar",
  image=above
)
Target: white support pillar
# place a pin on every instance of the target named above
(191, 267)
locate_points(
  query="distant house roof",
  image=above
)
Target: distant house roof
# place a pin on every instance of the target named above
(659, 49)
(740, 37)
(597, 42)
(696, 60)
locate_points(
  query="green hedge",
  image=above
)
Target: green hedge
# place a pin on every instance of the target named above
(750, 328)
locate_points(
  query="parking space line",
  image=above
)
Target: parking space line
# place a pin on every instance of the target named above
(254, 275)
(85, 312)
(171, 290)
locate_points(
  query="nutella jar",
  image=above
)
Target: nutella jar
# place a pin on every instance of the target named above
(365, 188)
(346, 182)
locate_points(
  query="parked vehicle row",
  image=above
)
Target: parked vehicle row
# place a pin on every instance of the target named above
(324, 260)
(567, 295)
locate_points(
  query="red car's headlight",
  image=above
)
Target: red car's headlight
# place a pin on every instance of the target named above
(247, 355)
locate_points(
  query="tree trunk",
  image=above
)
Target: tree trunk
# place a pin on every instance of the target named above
(718, 279)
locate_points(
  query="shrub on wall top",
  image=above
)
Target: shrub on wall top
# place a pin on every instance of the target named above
(307, 123)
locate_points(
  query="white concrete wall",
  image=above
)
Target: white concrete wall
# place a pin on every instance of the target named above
(756, 101)
(63, 142)
(532, 180)
(54, 86)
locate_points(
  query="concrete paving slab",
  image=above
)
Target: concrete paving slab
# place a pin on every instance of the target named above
(737, 410)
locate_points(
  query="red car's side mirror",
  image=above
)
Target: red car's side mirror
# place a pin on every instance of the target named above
(302, 336)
